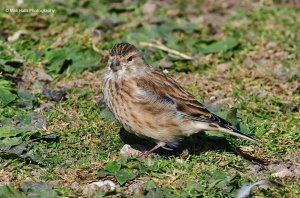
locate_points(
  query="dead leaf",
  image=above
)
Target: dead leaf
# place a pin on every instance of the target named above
(17, 35)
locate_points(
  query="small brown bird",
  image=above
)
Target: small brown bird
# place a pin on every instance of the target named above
(151, 104)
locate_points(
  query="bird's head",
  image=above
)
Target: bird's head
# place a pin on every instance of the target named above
(124, 58)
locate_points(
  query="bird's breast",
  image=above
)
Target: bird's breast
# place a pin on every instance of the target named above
(119, 97)
(138, 115)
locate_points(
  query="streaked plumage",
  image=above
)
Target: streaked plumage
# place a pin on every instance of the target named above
(151, 104)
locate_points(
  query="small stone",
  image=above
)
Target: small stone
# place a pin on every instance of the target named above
(90, 189)
(284, 172)
(104, 184)
(36, 174)
(42, 75)
(223, 67)
(55, 95)
(128, 150)
(281, 73)
(75, 186)
(295, 169)
(185, 153)
(46, 106)
(53, 183)
(179, 161)
(150, 162)
(137, 188)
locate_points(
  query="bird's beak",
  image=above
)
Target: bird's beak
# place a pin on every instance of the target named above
(115, 65)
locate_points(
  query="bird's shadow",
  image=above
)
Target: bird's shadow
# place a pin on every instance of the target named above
(194, 144)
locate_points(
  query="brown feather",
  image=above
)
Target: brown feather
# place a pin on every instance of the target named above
(122, 49)
(163, 86)
(184, 102)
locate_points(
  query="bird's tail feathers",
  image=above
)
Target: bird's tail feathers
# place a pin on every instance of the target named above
(237, 133)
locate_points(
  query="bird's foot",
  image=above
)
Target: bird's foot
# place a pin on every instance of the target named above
(147, 153)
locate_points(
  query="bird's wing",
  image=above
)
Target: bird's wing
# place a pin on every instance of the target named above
(166, 91)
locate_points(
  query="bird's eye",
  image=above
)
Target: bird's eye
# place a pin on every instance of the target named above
(129, 58)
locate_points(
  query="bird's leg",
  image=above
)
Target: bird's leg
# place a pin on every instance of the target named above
(158, 145)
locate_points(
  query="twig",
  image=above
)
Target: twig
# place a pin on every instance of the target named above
(164, 48)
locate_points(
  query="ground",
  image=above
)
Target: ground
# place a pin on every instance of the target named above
(240, 59)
